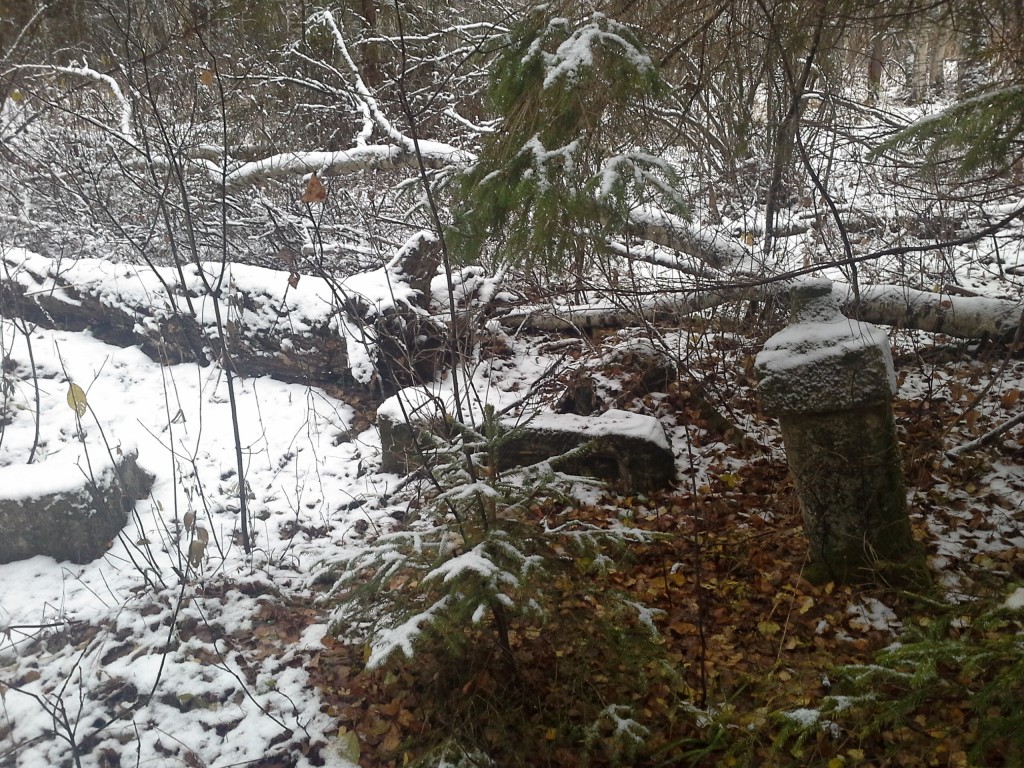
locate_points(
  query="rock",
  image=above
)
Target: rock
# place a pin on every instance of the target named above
(271, 327)
(627, 449)
(830, 381)
(74, 517)
(824, 362)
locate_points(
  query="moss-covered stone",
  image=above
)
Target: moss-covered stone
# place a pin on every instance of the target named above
(850, 482)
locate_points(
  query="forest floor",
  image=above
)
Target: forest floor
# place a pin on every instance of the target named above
(123, 661)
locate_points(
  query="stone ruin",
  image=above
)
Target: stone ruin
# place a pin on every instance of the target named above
(830, 382)
(74, 515)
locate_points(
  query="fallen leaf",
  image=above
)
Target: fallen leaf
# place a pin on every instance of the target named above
(348, 745)
(1010, 398)
(315, 192)
(76, 399)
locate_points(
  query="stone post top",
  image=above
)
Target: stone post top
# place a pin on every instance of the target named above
(823, 361)
(813, 300)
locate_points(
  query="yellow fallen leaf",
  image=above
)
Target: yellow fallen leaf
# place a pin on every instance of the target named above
(76, 399)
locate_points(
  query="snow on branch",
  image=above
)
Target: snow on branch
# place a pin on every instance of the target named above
(435, 155)
(401, 638)
(402, 152)
(87, 72)
(674, 232)
(371, 107)
(577, 52)
(477, 561)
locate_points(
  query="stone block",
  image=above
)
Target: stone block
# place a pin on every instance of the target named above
(626, 449)
(56, 508)
(830, 381)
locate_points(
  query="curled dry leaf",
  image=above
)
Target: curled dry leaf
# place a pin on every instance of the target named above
(203, 535)
(196, 550)
(190, 520)
(315, 192)
(1010, 398)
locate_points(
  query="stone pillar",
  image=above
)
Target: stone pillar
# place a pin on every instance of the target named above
(830, 382)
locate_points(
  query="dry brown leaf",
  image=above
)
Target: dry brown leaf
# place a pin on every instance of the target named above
(196, 550)
(1010, 398)
(315, 192)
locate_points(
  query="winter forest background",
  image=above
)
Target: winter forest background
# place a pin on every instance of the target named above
(254, 242)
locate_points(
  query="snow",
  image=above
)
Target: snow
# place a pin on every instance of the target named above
(307, 470)
(1015, 600)
(178, 418)
(825, 361)
(805, 344)
(611, 422)
(804, 717)
(61, 472)
(402, 636)
(475, 560)
(134, 286)
(310, 470)
(341, 161)
(428, 403)
(712, 240)
(577, 51)
(869, 613)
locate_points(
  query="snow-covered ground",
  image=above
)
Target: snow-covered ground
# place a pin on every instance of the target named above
(139, 653)
(140, 656)
(135, 676)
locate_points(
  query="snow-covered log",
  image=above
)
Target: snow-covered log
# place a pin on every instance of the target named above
(435, 156)
(673, 232)
(358, 331)
(607, 314)
(964, 317)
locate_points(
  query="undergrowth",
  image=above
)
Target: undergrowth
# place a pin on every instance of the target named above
(491, 618)
(750, 664)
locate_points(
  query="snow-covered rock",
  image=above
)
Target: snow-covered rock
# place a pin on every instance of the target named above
(825, 361)
(68, 508)
(628, 449)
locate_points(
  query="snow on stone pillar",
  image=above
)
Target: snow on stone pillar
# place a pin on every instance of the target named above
(830, 382)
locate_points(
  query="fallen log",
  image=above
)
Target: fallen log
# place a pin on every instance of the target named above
(363, 331)
(963, 317)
